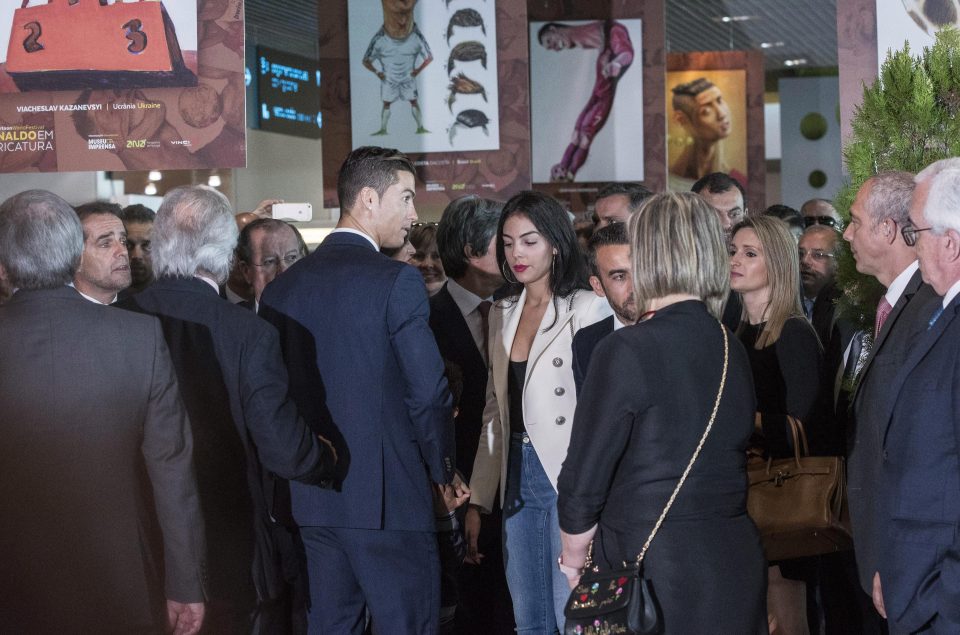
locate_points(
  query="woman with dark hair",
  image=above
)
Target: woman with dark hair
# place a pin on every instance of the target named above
(645, 407)
(426, 256)
(531, 399)
(785, 357)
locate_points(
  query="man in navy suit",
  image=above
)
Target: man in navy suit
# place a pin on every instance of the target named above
(917, 582)
(612, 279)
(365, 372)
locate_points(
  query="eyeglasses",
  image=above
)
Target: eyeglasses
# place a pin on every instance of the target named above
(817, 254)
(829, 221)
(272, 263)
(909, 233)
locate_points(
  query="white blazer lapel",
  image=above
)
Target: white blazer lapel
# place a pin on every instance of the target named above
(543, 340)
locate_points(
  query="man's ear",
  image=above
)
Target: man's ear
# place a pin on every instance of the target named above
(597, 287)
(367, 199)
(247, 271)
(951, 245)
(681, 118)
(888, 229)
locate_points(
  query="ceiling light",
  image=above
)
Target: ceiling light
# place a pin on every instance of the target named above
(734, 18)
(155, 175)
(214, 180)
(150, 190)
(800, 61)
(770, 45)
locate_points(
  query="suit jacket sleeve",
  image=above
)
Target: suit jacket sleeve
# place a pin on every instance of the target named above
(487, 464)
(427, 397)
(168, 453)
(285, 445)
(579, 361)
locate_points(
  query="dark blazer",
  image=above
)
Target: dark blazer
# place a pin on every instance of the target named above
(584, 341)
(824, 309)
(918, 526)
(96, 453)
(644, 406)
(365, 372)
(234, 385)
(906, 321)
(456, 345)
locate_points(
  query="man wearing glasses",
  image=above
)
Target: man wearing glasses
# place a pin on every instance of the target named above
(916, 583)
(818, 270)
(267, 247)
(820, 211)
(878, 215)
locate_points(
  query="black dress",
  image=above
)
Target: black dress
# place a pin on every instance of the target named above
(644, 406)
(786, 377)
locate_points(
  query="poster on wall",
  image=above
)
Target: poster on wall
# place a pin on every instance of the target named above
(586, 92)
(423, 75)
(121, 85)
(706, 125)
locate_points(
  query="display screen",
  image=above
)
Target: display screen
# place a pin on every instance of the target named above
(289, 93)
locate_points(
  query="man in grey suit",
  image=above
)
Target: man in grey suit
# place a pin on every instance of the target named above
(95, 447)
(880, 210)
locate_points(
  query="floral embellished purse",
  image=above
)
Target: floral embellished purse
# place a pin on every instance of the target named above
(622, 601)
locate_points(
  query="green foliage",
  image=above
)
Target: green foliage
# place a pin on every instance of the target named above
(907, 120)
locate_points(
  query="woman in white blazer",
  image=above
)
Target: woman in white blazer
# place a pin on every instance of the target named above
(531, 399)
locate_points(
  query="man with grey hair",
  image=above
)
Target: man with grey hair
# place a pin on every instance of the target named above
(878, 214)
(916, 584)
(96, 449)
(234, 386)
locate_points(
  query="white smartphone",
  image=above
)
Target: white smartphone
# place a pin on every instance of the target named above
(301, 212)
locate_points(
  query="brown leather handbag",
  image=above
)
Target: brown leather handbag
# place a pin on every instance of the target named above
(799, 504)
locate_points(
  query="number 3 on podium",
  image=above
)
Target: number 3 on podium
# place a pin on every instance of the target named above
(133, 32)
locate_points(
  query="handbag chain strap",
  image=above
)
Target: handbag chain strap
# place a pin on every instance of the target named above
(696, 453)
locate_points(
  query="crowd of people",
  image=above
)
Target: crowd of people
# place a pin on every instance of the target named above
(436, 427)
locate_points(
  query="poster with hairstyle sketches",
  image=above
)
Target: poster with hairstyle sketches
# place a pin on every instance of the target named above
(586, 101)
(425, 82)
(913, 21)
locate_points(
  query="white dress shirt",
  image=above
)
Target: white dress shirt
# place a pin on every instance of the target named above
(350, 230)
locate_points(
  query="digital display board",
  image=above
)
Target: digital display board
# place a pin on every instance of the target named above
(289, 93)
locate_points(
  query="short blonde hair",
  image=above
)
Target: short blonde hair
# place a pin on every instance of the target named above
(783, 275)
(678, 246)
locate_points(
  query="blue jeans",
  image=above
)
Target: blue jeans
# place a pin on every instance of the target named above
(531, 542)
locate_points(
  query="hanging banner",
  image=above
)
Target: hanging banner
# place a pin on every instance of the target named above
(121, 85)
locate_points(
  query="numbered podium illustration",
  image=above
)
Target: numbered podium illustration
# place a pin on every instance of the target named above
(100, 44)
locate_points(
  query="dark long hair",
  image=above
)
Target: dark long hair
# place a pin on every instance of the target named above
(569, 270)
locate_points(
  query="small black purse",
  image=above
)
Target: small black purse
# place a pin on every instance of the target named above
(622, 601)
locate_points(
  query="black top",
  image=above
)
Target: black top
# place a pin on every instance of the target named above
(644, 406)
(515, 379)
(786, 376)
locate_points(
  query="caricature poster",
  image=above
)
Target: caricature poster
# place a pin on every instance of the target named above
(121, 85)
(586, 91)
(423, 75)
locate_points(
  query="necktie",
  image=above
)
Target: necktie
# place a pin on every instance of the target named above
(883, 312)
(484, 309)
(933, 318)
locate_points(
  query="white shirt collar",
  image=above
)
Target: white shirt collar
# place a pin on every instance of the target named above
(895, 290)
(91, 299)
(951, 294)
(210, 281)
(467, 301)
(350, 230)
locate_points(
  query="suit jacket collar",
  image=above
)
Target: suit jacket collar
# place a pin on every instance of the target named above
(178, 283)
(918, 351)
(31, 295)
(347, 238)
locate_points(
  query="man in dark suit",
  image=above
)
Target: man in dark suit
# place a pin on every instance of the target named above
(611, 278)
(916, 584)
(96, 450)
(879, 211)
(727, 197)
(365, 371)
(234, 385)
(466, 240)
(817, 250)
